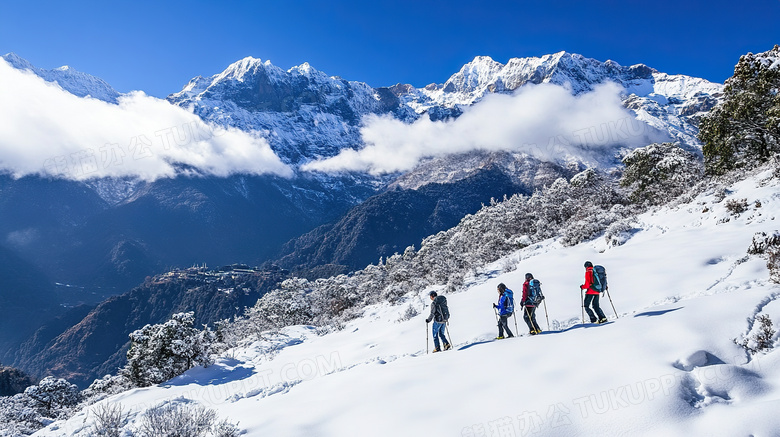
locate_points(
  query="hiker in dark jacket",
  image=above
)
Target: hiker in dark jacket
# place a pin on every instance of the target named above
(439, 314)
(505, 310)
(592, 296)
(529, 310)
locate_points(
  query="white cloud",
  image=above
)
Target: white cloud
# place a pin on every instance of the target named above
(46, 130)
(546, 121)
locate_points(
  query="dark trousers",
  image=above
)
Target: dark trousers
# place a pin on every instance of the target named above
(593, 300)
(503, 324)
(529, 315)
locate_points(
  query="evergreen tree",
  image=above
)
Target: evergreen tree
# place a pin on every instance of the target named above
(744, 129)
(53, 394)
(659, 172)
(13, 381)
(160, 352)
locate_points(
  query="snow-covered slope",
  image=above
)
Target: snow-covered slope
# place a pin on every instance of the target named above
(683, 287)
(73, 81)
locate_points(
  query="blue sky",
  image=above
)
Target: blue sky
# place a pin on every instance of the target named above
(157, 46)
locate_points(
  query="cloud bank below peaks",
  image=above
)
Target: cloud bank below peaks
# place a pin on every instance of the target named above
(48, 131)
(545, 121)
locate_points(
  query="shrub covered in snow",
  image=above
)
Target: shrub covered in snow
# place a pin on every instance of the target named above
(768, 245)
(176, 419)
(105, 387)
(109, 420)
(736, 206)
(21, 415)
(763, 336)
(773, 263)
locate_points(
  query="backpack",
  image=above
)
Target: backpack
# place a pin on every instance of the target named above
(535, 296)
(599, 278)
(510, 301)
(441, 307)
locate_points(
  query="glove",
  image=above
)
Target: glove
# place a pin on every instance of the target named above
(428, 320)
(495, 306)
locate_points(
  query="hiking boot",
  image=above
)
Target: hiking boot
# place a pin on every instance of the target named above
(593, 320)
(500, 337)
(436, 350)
(538, 331)
(532, 332)
(447, 347)
(604, 320)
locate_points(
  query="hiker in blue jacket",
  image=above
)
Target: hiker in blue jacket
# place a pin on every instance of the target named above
(440, 313)
(505, 307)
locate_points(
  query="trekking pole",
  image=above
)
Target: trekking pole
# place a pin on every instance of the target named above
(447, 326)
(426, 338)
(498, 321)
(582, 304)
(613, 305)
(514, 316)
(545, 314)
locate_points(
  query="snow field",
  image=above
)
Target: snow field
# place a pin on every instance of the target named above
(683, 287)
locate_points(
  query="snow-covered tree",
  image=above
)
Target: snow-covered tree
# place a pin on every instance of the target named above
(54, 394)
(13, 381)
(160, 352)
(744, 129)
(659, 172)
(284, 306)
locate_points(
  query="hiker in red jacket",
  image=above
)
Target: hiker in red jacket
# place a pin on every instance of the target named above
(592, 296)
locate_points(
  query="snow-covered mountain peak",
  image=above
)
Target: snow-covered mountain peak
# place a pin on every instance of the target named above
(18, 62)
(304, 69)
(241, 68)
(71, 80)
(483, 69)
(311, 74)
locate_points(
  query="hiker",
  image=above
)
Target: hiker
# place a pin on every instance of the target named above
(592, 296)
(529, 313)
(505, 309)
(439, 314)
